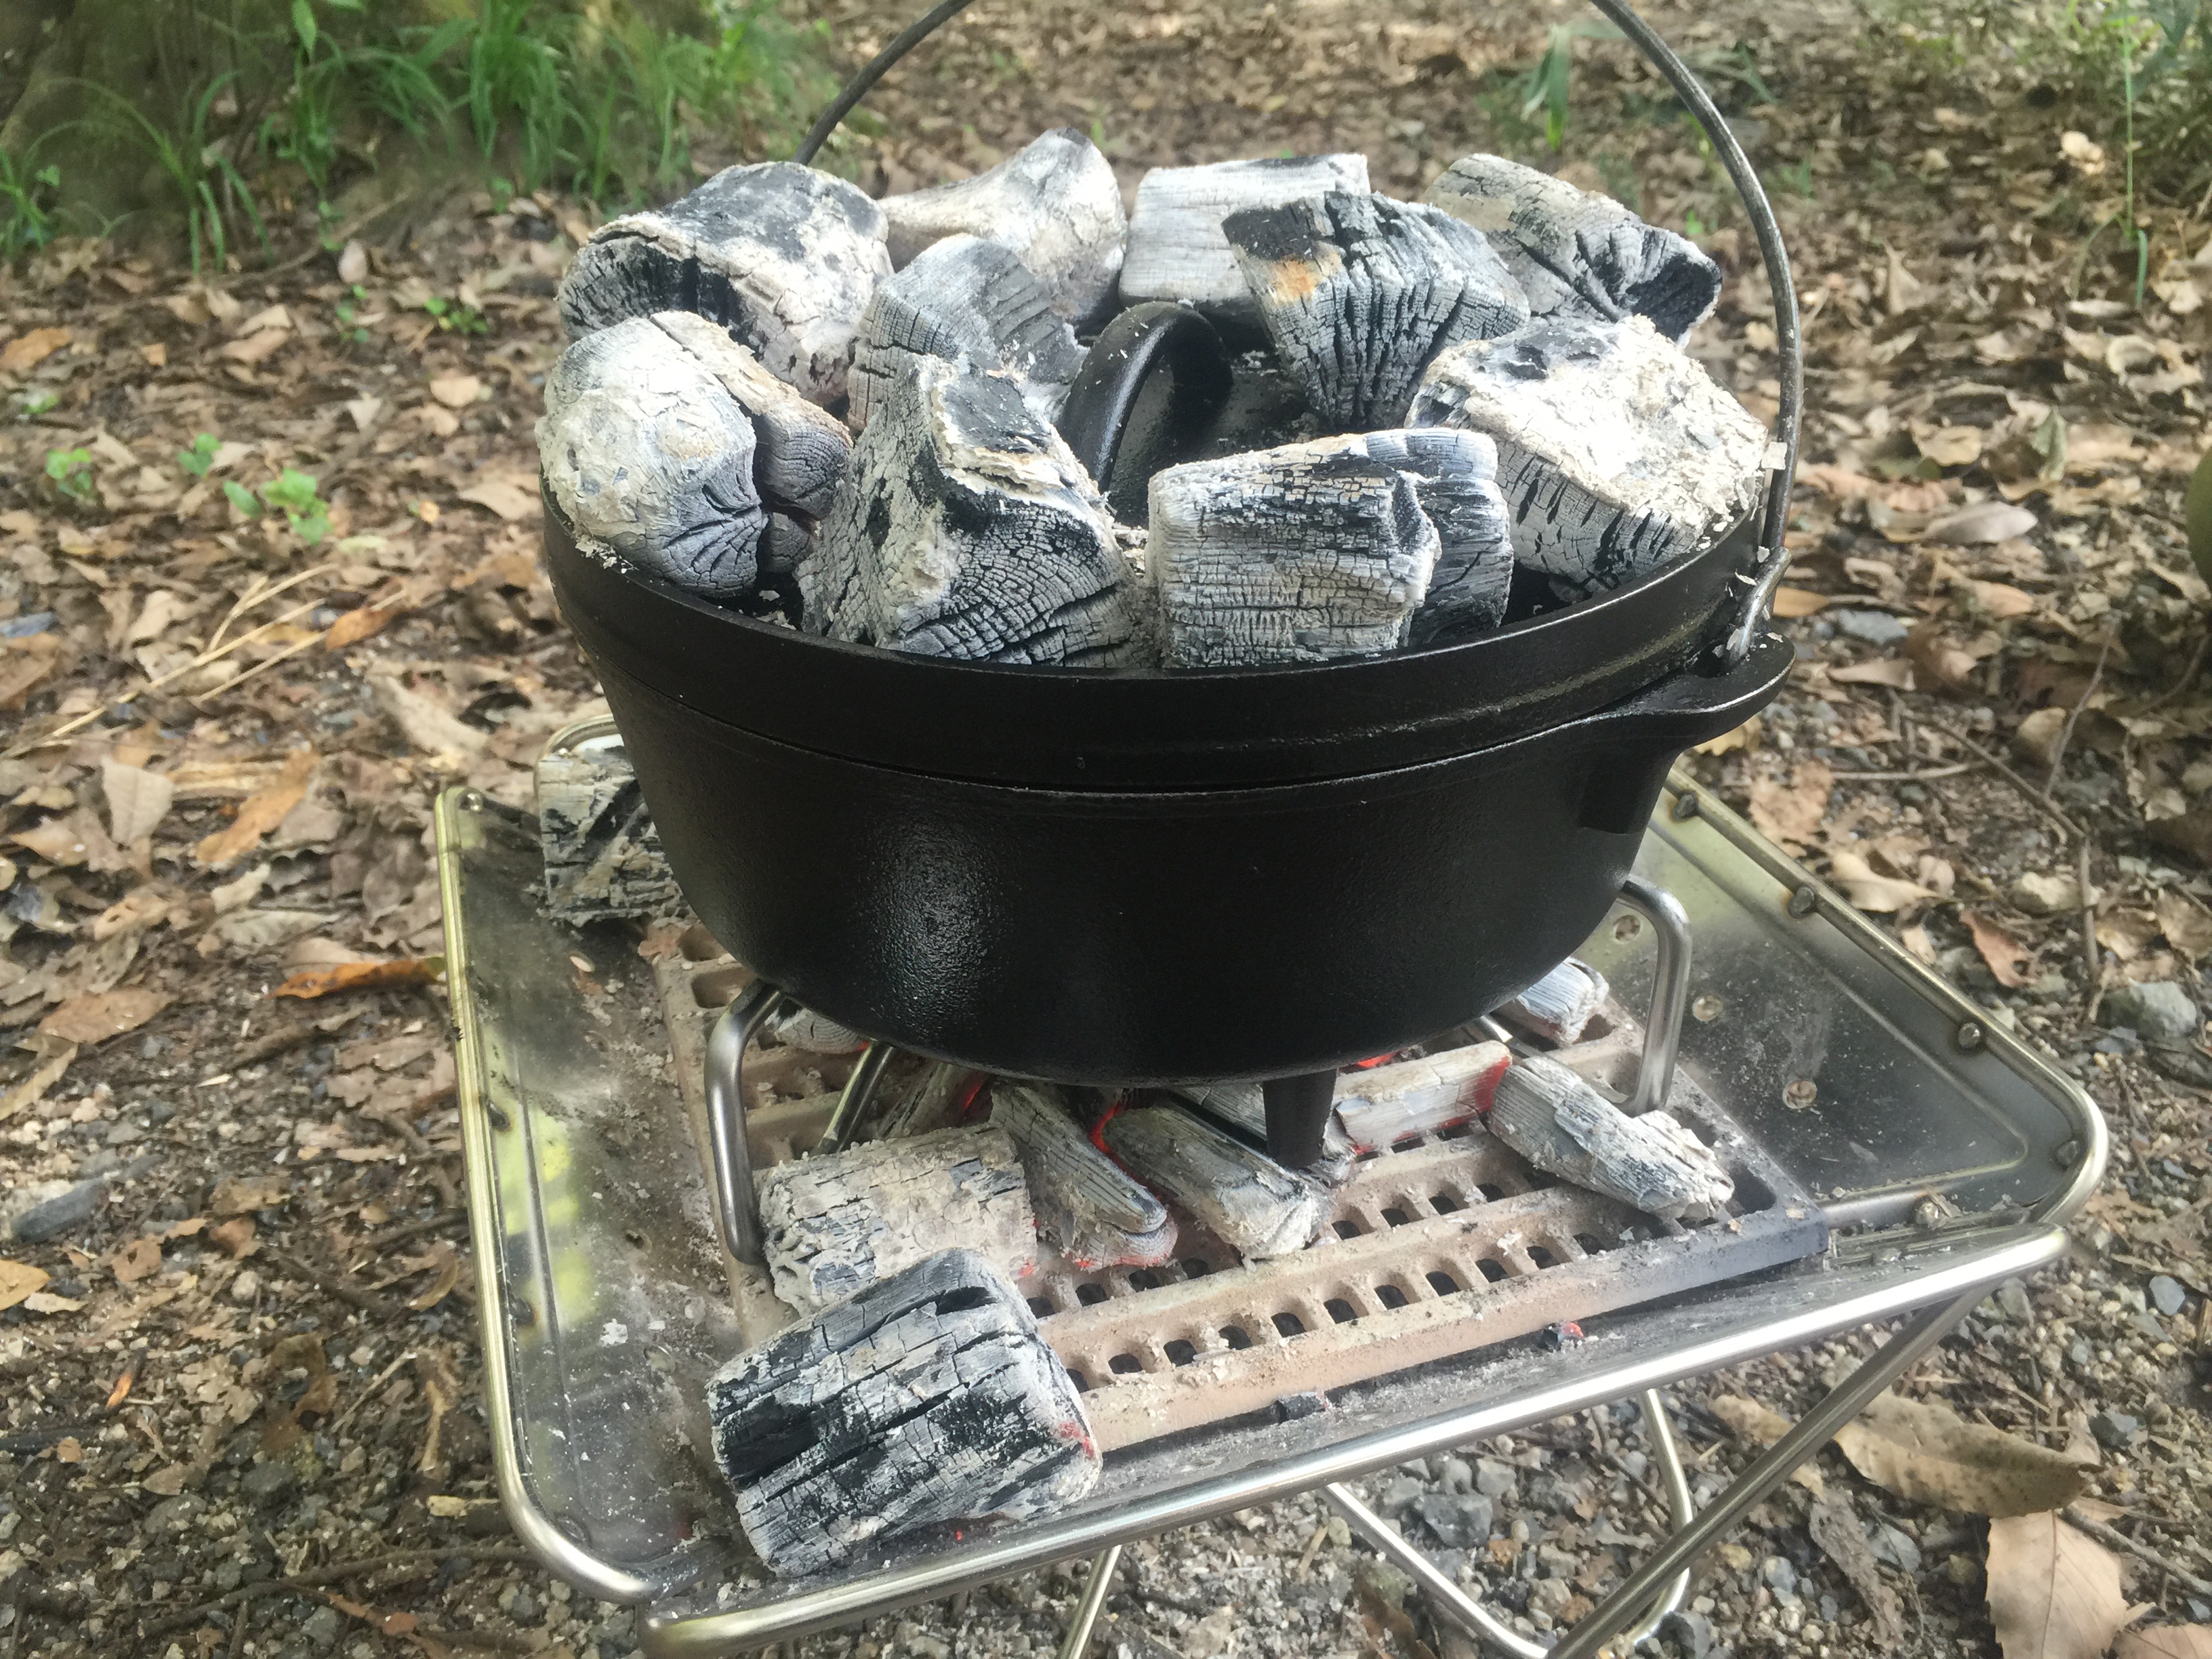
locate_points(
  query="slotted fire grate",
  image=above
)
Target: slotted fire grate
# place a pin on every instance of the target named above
(1438, 1245)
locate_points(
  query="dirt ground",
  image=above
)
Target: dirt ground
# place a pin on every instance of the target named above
(239, 1333)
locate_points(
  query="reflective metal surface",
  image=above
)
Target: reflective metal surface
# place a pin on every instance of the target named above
(607, 1305)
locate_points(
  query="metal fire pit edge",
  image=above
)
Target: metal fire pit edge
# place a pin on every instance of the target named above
(1945, 1154)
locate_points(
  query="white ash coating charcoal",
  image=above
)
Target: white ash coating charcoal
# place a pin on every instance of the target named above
(642, 447)
(799, 450)
(833, 1225)
(1385, 1103)
(1559, 1005)
(1616, 452)
(929, 1397)
(1245, 1199)
(1455, 476)
(1177, 250)
(1576, 253)
(1243, 1106)
(1054, 202)
(784, 257)
(1087, 1206)
(935, 1101)
(802, 1028)
(964, 299)
(784, 545)
(1300, 554)
(966, 528)
(1359, 292)
(1564, 1127)
(602, 854)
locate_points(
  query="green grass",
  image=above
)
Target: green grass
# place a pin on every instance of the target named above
(598, 98)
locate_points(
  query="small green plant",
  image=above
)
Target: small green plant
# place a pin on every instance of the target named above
(452, 315)
(244, 500)
(1693, 224)
(348, 310)
(292, 492)
(1550, 84)
(71, 473)
(26, 196)
(1798, 178)
(36, 402)
(210, 191)
(201, 456)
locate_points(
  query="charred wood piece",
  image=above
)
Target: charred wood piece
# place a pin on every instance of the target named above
(643, 448)
(1616, 452)
(1087, 1206)
(835, 1224)
(965, 300)
(1360, 292)
(1560, 1005)
(1177, 249)
(933, 1102)
(1564, 1127)
(927, 1398)
(1454, 477)
(782, 256)
(1385, 1103)
(1302, 554)
(1054, 203)
(1576, 253)
(602, 854)
(799, 450)
(1243, 1107)
(1251, 1203)
(966, 528)
(802, 1028)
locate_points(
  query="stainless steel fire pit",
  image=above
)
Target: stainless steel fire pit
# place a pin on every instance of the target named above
(1896, 1150)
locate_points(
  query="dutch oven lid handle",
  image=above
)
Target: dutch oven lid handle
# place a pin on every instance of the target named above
(1759, 585)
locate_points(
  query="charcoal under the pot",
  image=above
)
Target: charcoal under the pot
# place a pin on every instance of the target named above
(965, 529)
(963, 299)
(783, 256)
(1054, 203)
(1564, 1127)
(1245, 1199)
(1576, 253)
(927, 1398)
(1560, 1005)
(1088, 1207)
(1359, 292)
(1385, 1103)
(1177, 250)
(1617, 452)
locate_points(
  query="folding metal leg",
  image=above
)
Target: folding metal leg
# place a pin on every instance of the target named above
(1078, 1641)
(1815, 1430)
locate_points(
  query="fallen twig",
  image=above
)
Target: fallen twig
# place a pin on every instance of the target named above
(346, 1292)
(2092, 966)
(2027, 790)
(2074, 716)
(2118, 1539)
(337, 1570)
(1924, 776)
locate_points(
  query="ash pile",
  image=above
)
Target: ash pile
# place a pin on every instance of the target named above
(910, 1384)
(909, 423)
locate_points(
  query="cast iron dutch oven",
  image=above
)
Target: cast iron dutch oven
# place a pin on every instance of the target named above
(1143, 877)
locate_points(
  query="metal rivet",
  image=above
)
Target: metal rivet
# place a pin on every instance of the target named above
(1686, 804)
(575, 1531)
(2066, 1154)
(524, 1313)
(1803, 903)
(1800, 1096)
(472, 800)
(1627, 928)
(496, 1117)
(1971, 1036)
(1706, 1007)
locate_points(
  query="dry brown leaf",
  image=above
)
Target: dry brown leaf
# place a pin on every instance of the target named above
(2186, 924)
(1893, 671)
(19, 1280)
(358, 625)
(1929, 1453)
(1835, 1527)
(32, 1089)
(1762, 1426)
(1793, 602)
(510, 501)
(2054, 1594)
(1940, 657)
(2038, 736)
(449, 1274)
(261, 812)
(1788, 811)
(234, 1237)
(95, 1018)
(140, 1259)
(457, 391)
(2003, 601)
(27, 351)
(392, 1624)
(258, 347)
(1867, 891)
(69, 1450)
(246, 1193)
(1744, 737)
(1951, 446)
(2167, 1641)
(2011, 962)
(137, 800)
(362, 976)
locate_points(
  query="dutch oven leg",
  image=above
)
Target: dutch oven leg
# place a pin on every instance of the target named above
(1298, 1114)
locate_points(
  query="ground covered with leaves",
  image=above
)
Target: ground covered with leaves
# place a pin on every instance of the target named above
(268, 582)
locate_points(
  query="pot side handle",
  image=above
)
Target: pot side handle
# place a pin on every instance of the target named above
(1622, 741)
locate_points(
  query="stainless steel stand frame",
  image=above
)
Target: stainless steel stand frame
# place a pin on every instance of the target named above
(1920, 1096)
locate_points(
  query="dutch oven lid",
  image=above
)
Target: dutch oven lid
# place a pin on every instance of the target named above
(1122, 728)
